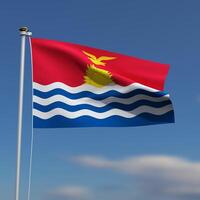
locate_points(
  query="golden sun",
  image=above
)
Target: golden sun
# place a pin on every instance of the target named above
(97, 77)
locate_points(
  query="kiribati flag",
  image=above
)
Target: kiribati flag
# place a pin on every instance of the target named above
(80, 86)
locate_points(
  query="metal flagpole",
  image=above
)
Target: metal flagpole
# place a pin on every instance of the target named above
(23, 32)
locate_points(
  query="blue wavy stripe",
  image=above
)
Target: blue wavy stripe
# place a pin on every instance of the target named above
(91, 95)
(101, 109)
(114, 121)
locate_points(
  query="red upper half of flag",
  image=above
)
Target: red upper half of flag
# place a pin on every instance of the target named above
(55, 61)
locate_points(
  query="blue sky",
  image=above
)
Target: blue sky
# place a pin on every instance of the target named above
(158, 162)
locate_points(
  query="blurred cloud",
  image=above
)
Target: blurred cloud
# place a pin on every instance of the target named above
(158, 177)
(70, 192)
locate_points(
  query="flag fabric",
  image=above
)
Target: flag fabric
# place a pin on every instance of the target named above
(80, 86)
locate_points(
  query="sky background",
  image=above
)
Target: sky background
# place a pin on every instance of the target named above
(152, 162)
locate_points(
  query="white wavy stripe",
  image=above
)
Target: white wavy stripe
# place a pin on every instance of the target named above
(96, 103)
(90, 88)
(109, 113)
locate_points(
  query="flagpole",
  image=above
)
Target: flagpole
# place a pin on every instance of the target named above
(23, 33)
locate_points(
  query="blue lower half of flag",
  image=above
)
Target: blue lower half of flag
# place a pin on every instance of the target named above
(114, 121)
(58, 106)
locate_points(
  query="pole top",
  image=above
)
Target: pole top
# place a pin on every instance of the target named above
(25, 31)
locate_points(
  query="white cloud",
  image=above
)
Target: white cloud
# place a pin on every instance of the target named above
(93, 161)
(156, 175)
(71, 192)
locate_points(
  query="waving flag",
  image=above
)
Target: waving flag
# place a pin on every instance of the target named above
(80, 86)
